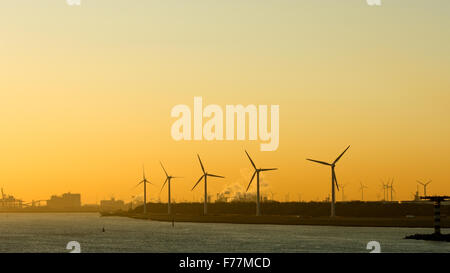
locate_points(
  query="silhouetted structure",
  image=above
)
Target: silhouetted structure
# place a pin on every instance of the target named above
(361, 188)
(112, 205)
(168, 179)
(257, 171)
(204, 176)
(9, 201)
(68, 201)
(306, 209)
(145, 181)
(424, 186)
(334, 181)
(437, 210)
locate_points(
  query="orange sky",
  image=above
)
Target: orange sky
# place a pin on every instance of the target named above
(86, 94)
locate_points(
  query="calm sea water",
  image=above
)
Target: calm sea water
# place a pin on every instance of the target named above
(50, 232)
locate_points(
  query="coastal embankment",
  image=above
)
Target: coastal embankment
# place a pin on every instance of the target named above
(358, 214)
(415, 222)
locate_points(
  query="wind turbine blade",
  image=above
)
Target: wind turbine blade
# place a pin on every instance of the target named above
(148, 182)
(428, 182)
(200, 179)
(139, 183)
(320, 162)
(254, 166)
(335, 180)
(163, 169)
(339, 157)
(143, 171)
(420, 182)
(164, 184)
(214, 175)
(272, 169)
(250, 181)
(201, 164)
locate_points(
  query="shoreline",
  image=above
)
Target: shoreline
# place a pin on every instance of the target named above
(417, 222)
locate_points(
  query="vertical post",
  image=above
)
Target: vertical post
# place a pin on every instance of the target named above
(145, 197)
(333, 197)
(205, 204)
(168, 200)
(437, 217)
(258, 208)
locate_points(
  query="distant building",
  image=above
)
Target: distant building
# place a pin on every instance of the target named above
(8, 201)
(243, 197)
(221, 198)
(68, 201)
(225, 197)
(113, 205)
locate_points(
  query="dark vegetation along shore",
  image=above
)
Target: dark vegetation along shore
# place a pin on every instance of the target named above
(369, 214)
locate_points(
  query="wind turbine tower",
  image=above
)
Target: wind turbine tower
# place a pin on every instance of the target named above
(392, 189)
(343, 194)
(361, 188)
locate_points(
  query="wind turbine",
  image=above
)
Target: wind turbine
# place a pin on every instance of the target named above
(168, 179)
(333, 179)
(257, 171)
(343, 195)
(392, 189)
(424, 186)
(145, 181)
(131, 202)
(417, 198)
(385, 190)
(205, 176)
(361, 188)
